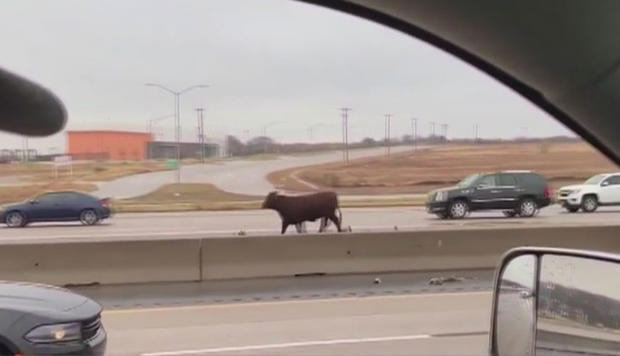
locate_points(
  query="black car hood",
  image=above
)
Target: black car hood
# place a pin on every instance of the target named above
(29, 296)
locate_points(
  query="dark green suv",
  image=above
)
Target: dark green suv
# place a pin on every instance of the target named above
(516, 193)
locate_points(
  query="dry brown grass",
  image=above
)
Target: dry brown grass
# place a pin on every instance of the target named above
(418, 172)
(90, 171)
(20, 193)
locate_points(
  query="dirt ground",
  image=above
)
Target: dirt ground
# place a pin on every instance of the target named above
(421, 171)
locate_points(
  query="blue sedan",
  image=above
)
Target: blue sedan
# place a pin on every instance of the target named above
(57, 206)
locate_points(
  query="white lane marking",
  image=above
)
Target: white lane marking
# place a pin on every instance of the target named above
(286, 302)
(291, 344)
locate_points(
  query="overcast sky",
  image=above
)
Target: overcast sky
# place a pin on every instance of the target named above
(266, 61)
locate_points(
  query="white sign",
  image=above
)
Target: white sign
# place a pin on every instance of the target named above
(62, 160)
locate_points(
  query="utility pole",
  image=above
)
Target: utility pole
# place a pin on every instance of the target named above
(25, 149)
(476, 136)
(414, 133)
(201, 132)
(388, 123)
(177, 117)
(345, 134)
(432, 129)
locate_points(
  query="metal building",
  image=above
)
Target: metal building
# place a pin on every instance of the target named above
(116, 145)
(168, 150)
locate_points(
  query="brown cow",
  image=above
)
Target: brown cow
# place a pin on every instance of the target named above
(295, 210)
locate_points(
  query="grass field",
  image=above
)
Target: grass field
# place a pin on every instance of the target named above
(419, 172)
(84, 172)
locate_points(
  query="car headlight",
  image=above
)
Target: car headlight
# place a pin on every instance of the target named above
(55, 333)
(441, 196)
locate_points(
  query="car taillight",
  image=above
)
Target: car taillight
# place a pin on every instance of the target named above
(547, 191)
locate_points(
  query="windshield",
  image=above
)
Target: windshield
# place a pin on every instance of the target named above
(260, 168)
(468, 181)
(595, 180)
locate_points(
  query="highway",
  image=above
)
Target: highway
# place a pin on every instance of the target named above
(262, 222)
(302, 316)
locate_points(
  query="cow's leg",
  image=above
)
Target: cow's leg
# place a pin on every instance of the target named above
(336, 221)
(284, 227)
(322, 224)
(299, 227)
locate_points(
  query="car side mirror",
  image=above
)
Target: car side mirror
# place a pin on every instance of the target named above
(605, 183)
(33, 201)
(481, 186)
(554, 302)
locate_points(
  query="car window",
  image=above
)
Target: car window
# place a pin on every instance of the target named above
(488, 180)
(613, 180)
(49, 198)
(507, 180)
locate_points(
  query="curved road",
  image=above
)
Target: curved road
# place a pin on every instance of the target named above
(236, 176)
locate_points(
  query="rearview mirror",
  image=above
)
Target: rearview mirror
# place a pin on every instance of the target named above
(556, 302)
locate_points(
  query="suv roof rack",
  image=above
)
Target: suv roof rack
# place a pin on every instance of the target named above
(517, 171)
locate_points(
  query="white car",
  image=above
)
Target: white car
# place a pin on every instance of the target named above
(600, 190)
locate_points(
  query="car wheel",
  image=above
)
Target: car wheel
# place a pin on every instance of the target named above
(509, 213)
(15, 219)
(458, 209)
(572, 209)
(527, 208)
(89, 217)
(589, 204)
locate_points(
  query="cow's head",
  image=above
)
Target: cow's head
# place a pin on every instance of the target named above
(270, 201)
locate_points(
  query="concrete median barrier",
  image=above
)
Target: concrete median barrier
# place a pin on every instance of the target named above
(167, 260)
(272, 256)
(101, 262)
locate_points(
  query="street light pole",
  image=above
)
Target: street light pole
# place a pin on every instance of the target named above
(177, 113)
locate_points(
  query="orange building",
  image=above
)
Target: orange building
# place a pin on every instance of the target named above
(116, 145)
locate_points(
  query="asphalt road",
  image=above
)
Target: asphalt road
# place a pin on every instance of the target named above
(261, 222)
(419, 324)
(231, 176)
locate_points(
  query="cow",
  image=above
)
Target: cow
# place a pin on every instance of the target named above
(296, 210)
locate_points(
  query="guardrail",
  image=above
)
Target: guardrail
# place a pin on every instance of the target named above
(167, 260)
